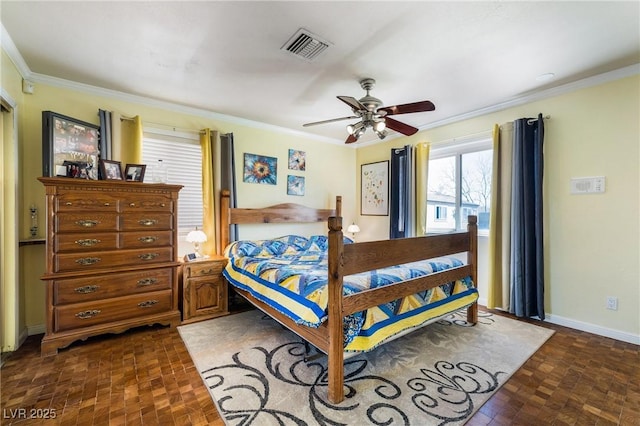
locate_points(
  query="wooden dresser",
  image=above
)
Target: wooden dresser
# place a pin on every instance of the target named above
(111, 258)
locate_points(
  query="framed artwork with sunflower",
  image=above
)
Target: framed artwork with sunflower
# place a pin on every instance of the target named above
(260, 169)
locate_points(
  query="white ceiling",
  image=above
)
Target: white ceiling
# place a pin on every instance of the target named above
(225, 57)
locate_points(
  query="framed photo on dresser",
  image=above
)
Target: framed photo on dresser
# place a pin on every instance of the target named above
(67, 139)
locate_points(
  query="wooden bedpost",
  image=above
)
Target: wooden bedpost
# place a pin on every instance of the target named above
(472, 259)
(224, 218)
(334, 323)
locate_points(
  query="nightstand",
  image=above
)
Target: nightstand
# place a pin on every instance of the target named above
(204, 289)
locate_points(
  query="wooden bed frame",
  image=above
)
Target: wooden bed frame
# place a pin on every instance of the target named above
(351, 259)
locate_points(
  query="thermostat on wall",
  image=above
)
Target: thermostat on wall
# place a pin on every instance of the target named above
(587, 185)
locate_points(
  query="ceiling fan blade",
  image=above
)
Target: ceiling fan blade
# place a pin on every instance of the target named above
(351, 139)
(329, 121)
(408, 108)
(399, 127)
(353, 103)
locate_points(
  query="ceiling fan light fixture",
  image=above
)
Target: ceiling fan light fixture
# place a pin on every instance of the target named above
(381, 134)
(350, 129)
(379, 126)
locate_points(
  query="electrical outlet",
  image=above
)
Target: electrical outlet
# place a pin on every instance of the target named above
(612, 303)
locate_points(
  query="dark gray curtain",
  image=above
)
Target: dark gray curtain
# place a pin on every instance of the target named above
(228, 176)
(401, 190)
(105, 134)
(527, 257)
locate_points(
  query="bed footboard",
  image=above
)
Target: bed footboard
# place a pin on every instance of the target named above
(350, 259)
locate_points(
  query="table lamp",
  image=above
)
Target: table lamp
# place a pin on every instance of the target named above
(196, 237)
(354, 229)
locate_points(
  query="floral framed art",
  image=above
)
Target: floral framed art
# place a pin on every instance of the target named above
(295, 185)
(260, 169)
(297, 160)
(374, 189)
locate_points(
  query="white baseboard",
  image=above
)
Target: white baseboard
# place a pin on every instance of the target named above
(36, 329)
(589, 328)
(595, 329)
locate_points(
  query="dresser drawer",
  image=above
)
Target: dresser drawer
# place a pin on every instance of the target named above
(196, 269)
(86, 222)
(96, 260)
(68, 317)
(86, 289)
(146, 239)
(86, 242)
(146, 221)
(86, 201)
(156, 203)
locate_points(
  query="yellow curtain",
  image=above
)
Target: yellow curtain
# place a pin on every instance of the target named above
(499, 221)
(207, 138)
(422, 174)
(127, 140)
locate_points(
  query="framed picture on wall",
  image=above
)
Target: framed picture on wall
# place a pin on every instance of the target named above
(68, 139)
(374, 190)
(260, 169)
(295, 185)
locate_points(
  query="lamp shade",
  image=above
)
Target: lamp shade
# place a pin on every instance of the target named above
(353, 228)
(196, 236)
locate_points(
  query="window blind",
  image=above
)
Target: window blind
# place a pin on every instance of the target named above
(182, 157)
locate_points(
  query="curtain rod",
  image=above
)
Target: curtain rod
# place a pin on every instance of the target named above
(486, 133)
(533, 120)
(175, 129)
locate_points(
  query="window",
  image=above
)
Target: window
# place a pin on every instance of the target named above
(182, 157)
(459, 185)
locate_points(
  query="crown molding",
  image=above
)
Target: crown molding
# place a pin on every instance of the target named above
(540, 95)
(170, 106)
(6, 43)
(9, 47)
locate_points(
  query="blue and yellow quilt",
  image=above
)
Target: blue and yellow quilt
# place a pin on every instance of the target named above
(290, 274)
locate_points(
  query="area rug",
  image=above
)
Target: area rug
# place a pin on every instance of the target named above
(440, 374)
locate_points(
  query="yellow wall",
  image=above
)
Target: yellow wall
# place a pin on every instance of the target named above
(321, 187)
(592, 242)
(592, 132)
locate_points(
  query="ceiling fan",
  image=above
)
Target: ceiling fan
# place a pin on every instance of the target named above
(368, 110)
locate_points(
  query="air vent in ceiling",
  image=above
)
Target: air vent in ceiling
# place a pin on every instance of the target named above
(305, 45)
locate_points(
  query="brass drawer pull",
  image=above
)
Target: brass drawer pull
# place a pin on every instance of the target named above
(87, 223)
(88, 242)
(207, 272)
(68, 203)
(87, 289)
(132, 204)
(148, 239)
(84, 261)
(147, 281)
(147, 303)
(147, 222)
(88, 314)
(107, 204)
(148, 256)
(163, 205)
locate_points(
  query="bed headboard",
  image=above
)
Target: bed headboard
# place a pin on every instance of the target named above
(280, 213)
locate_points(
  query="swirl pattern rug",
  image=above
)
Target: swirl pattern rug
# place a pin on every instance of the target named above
(441, 374)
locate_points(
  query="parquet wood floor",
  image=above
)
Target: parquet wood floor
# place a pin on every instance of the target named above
(145, 376)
